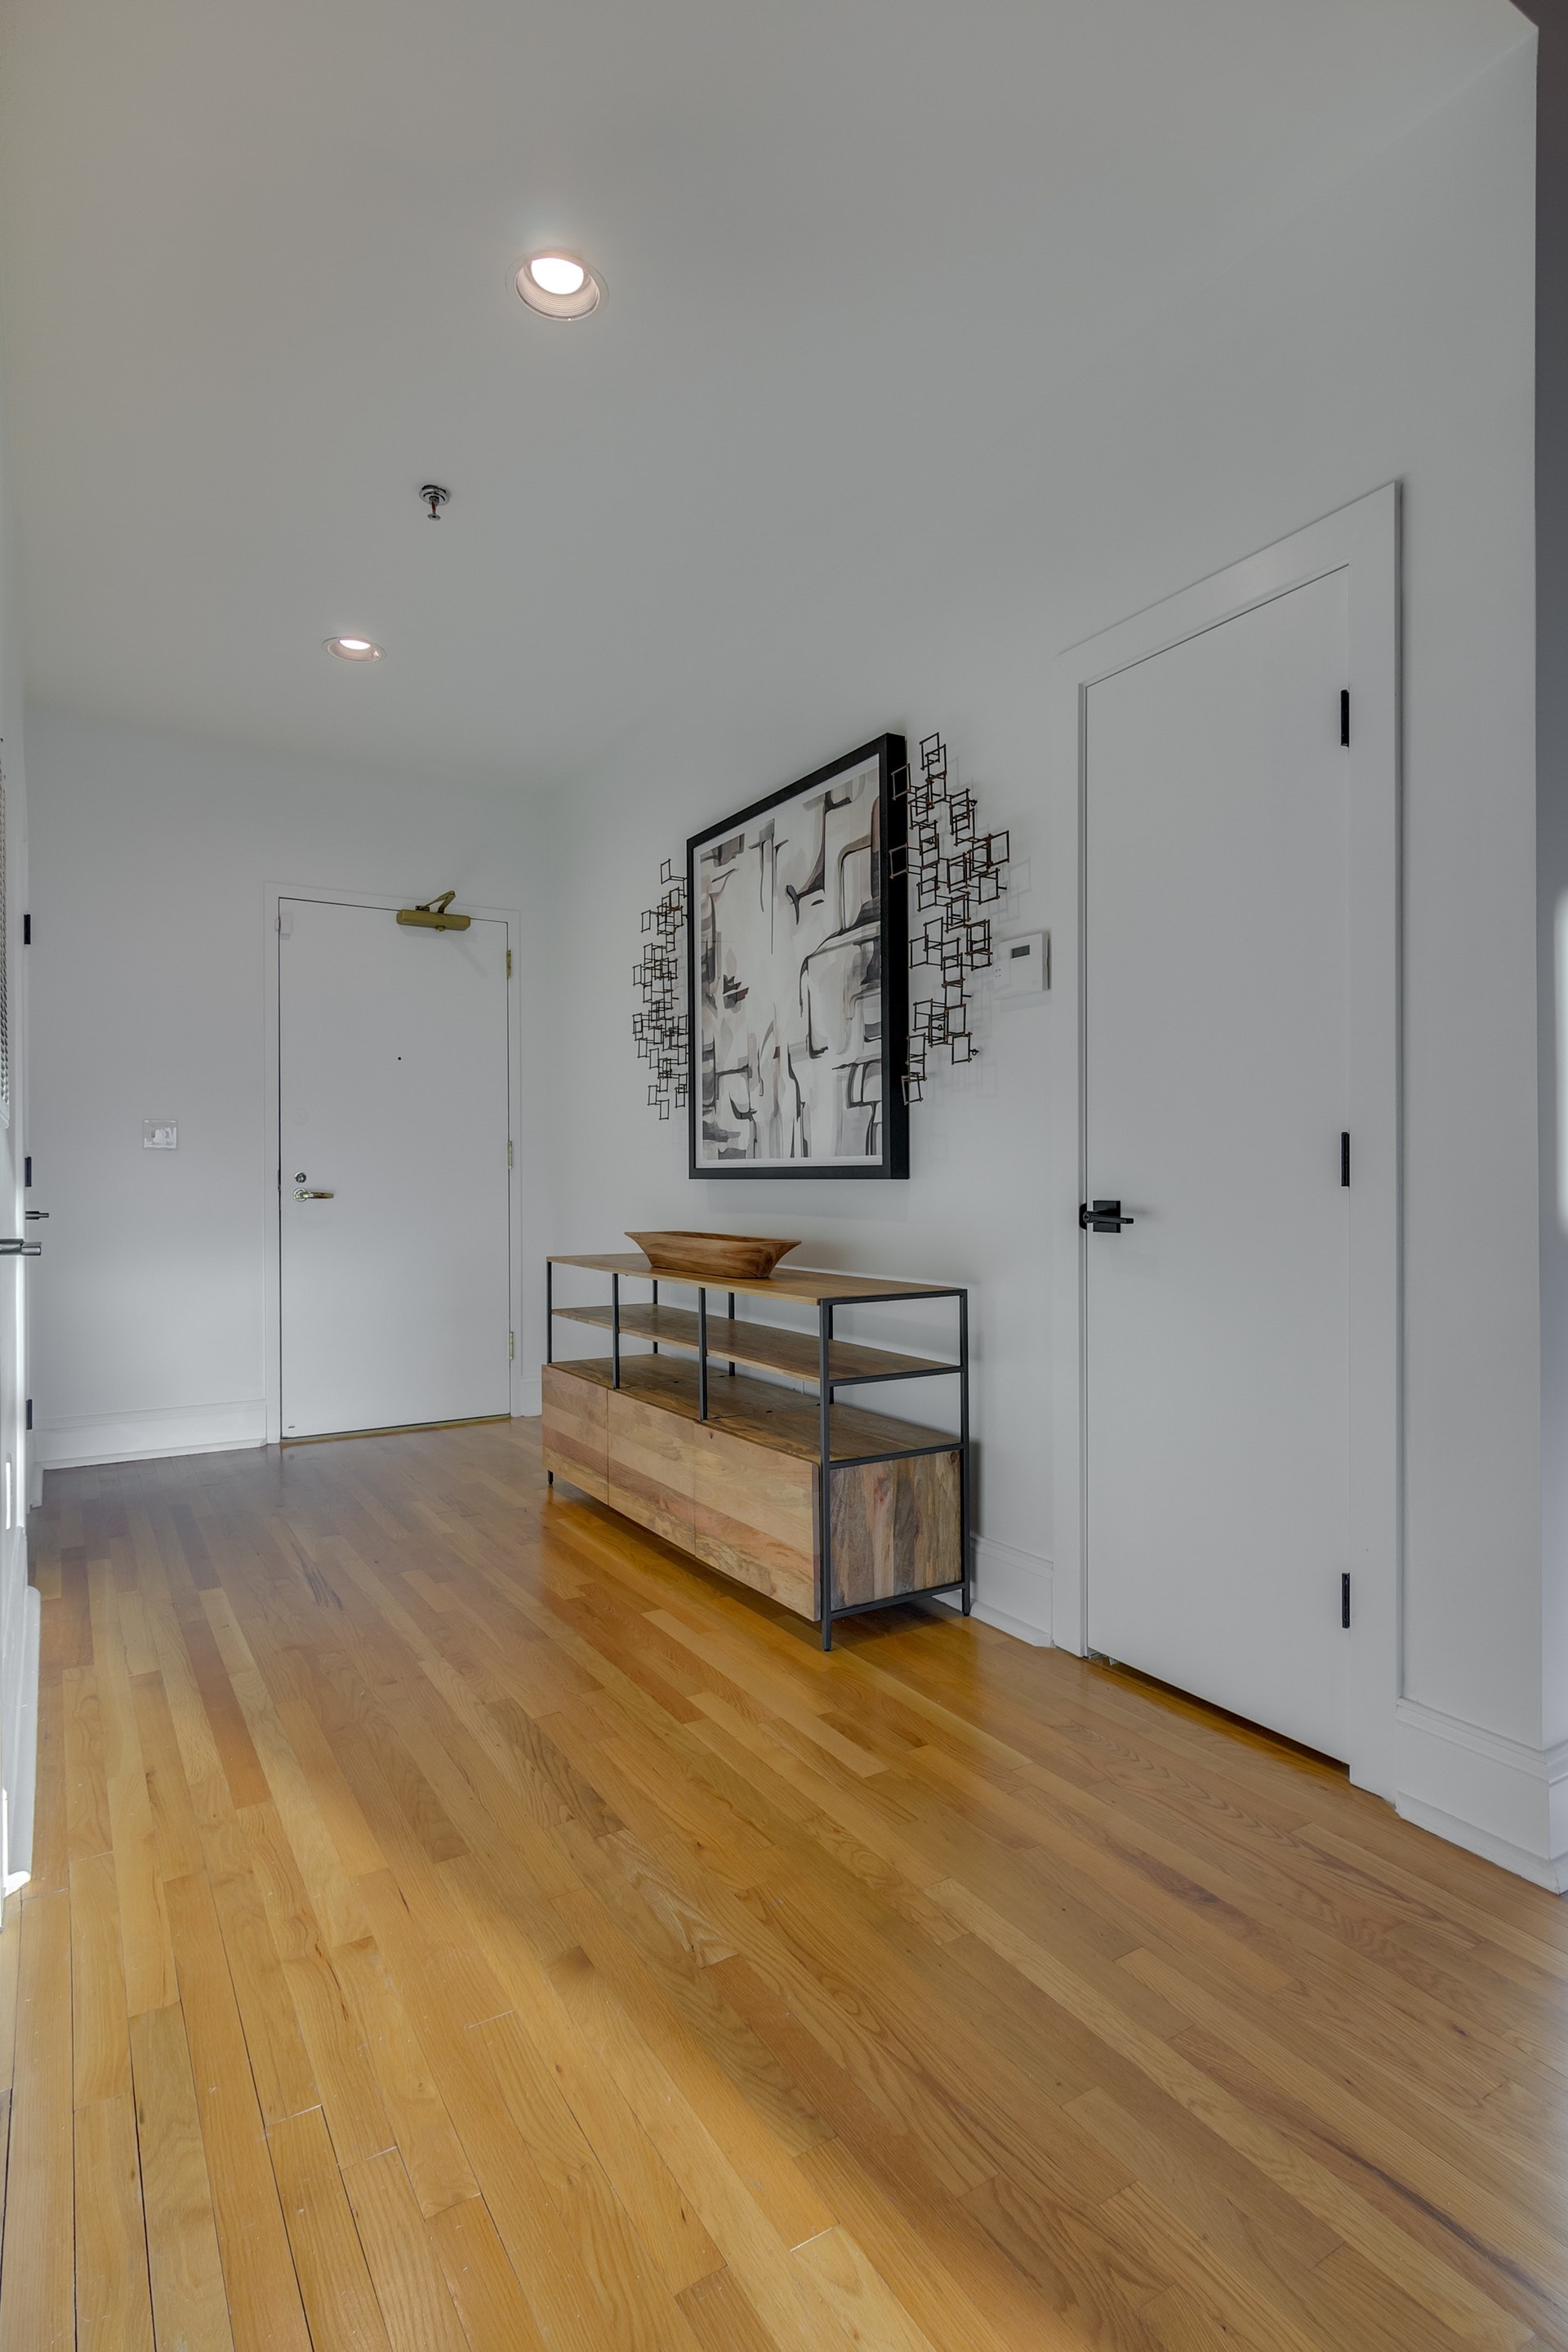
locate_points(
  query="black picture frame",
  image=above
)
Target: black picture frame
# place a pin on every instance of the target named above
(880, 936)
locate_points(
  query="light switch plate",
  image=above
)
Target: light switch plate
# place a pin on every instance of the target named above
(160, 1135)
(1023, 967)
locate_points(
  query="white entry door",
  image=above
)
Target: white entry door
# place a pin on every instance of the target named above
(1217, 1071)
(393, 1205)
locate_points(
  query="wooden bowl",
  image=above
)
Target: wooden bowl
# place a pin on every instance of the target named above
(712, 1257)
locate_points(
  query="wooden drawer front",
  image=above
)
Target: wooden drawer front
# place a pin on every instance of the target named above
(755, 1516)
(651, 1467)
(575, 1444)
(895, 1528)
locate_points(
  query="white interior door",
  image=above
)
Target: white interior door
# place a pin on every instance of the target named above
(1217, 1079)
(394, 1183)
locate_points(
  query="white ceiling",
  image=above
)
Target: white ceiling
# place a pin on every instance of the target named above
(257, 260)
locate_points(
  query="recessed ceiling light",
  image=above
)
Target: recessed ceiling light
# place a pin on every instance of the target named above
(557, 273)
(353, 648)
(558, 285)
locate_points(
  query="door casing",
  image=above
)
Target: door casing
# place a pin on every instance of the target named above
(1363, 540)
(273, 894)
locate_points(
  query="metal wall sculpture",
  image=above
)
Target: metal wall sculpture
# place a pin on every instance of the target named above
(929, 836)
(957, 872)
(660, 1025)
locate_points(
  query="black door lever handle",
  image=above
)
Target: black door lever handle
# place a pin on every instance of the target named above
(1102, 1216)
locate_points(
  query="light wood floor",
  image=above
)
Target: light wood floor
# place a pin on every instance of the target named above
(458, 1923)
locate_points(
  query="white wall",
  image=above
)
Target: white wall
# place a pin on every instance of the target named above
(1552, 861)
(1385, 334)
(148, 968)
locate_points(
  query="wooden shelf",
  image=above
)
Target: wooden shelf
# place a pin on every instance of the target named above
(794, 1283)
(764, 1345)
(756, 1410)
(829, 1521)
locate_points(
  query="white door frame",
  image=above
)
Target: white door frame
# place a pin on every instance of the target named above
(1363, 540)
(273, 893)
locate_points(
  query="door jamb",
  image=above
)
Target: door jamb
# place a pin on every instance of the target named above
(1362, 539)
(273, 893)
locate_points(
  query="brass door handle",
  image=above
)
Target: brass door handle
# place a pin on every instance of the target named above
(315, 1196)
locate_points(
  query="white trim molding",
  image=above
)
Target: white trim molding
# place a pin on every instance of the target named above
(1497, 1797)
(1012, 1591)
(22, 1762)
(1362, 540)
(19, 1713)
(81, 1438)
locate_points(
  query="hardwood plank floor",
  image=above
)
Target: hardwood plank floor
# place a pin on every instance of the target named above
(459, 1922)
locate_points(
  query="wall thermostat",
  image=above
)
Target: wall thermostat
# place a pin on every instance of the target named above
(1024, 966)
(160, 1135)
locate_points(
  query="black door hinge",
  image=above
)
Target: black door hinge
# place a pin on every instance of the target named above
(29, 1412)
(1344, 714)
(1344, 1155)
(1345, 1601)
(26, 930)
(28, 1173)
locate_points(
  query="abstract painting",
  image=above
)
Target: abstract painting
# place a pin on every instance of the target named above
(798, 978)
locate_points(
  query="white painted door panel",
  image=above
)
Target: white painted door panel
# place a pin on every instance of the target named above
(393, 1098)
(1216, 976)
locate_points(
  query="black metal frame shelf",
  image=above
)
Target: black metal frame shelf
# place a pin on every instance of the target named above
(766, 1346)
(826, 1380)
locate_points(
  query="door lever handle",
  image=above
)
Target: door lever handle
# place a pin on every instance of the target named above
(315, 1196)
(1102, 1216)
(21, 1249)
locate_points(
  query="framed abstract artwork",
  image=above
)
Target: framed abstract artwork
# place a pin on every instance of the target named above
(799, 977)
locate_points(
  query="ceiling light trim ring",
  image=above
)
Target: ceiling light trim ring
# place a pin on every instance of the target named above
(581, 303)
(352, 649)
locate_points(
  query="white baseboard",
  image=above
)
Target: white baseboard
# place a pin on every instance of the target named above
(20, 1615)
(1497, 1797)
(78, 1441)
(19, 1793)
(1012, 1591)
(1551, 1874)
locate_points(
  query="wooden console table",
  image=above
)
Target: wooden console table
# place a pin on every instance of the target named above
(825, 1508)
